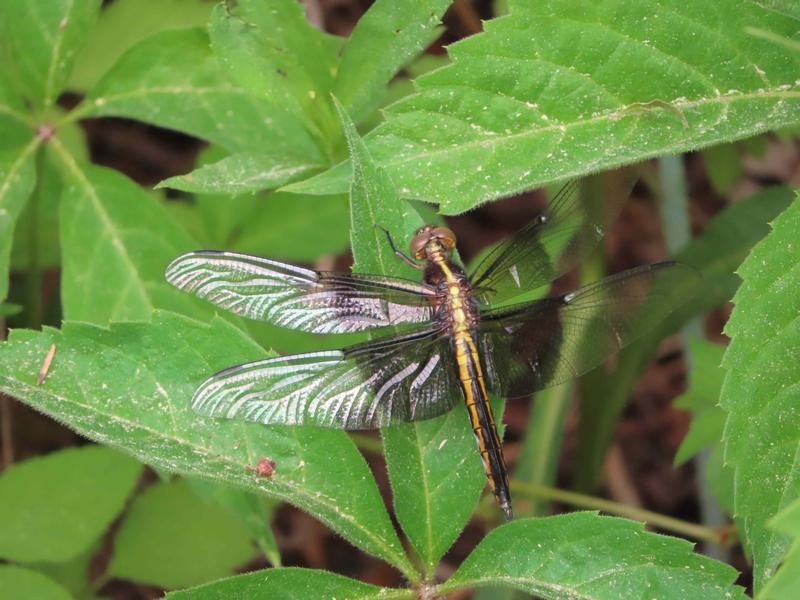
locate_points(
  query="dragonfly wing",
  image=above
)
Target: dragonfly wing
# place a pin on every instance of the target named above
(531, 346)
(298, 298)
(372, 385)
(553, 243)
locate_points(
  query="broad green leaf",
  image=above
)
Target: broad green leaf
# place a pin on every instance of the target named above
(171, 538)
(16, 582)
(716, 253)
(583, 555)
(558, 89)
(385, 38)
(290, 584)
(252, 511)
(272, 50)
(434, 469)
(702, 399)
(172, 80)
(242, 173)
(761, 393)
(786, 581)
(130, 387)
(42, 39)
(55, 507)
(17, 179)
(116, 241)
(124, 23)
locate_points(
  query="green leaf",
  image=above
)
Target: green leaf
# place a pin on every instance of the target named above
(761, 393)
(715, 253)
(290, 584)
(15, 122)
(558, 89)
(171, 538)
(172, 80)
(55, 507)
(17, 179)
(253, 512)
(434, 470)
(294, 227)
(386, 37)
(42, 39)
(74, 575)
(124, 23)
(702, 400)
(723, 165)
(130, 387)
(16, 582)
(116, 242)
(786, 581)
(583, 555)
(242, 173)
(272, 50)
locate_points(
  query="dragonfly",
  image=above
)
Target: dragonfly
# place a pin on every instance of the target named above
(452, 338)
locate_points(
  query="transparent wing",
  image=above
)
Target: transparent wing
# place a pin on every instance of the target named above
(553, 243)
(298, 298)
(535, 345)
(372, 385)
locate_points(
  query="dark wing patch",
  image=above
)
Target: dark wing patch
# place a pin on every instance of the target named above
(536, 345)
(298, 298)
(553, 243)
(372, 385)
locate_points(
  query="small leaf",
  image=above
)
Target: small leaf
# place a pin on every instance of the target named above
(385, 38)
(558, 89)
(17, 582)
(702, 400)
(116, 242)
(715, 253)
(583, 555)
(130, 386)
(191, 93)
(124, 23)
(43, 39)
(55, 507)
(723, 165)
(253, 512)
(761, 393)
(171, 538)
(290, 584)
(17, 179)
(786, 581)
(242, 173)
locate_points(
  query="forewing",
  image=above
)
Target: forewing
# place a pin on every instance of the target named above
(557, 240)
(536, 345)
(298, 298)
(372, 385)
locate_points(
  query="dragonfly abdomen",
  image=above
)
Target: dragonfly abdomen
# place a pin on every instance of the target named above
(476, 398)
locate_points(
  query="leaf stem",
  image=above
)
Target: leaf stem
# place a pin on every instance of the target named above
(692, 530)
(532, 491)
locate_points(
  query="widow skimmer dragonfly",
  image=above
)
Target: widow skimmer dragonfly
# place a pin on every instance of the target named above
(454, 346)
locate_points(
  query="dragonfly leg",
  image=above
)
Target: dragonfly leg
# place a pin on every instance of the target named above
(406, 259)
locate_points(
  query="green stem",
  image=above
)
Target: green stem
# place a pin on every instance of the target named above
(537, 492)
(692, 530)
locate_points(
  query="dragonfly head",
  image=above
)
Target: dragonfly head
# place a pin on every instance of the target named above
(432, 239)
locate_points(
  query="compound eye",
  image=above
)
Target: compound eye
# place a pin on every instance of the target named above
(419, 242)
(446, 236)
